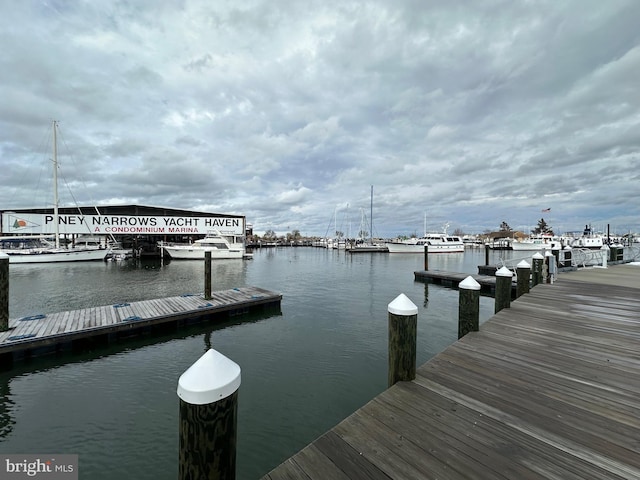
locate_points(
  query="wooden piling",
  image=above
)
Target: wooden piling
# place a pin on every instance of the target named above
(426, 257)
(556, 253)
(207, 275)
(468, 306)
(486, 254)
(605, 254)
(536, 273)
(403, 325)
(552, 267)
(566, 258)
(4, 292)
(523, 272)
(504, 277)
(208, 393)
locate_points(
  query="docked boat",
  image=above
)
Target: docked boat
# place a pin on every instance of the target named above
(589, 239)
(39, 249)
(437, 242)
(219, 246)
(35, 249)
(536, 243)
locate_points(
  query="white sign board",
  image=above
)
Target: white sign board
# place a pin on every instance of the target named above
(21, 224)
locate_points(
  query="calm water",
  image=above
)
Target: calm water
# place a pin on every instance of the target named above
(303, 370)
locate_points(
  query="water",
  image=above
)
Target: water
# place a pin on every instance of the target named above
(303, 370)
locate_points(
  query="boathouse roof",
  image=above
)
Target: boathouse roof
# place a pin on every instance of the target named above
(141, 210)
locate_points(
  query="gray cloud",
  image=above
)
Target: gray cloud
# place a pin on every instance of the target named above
(471, 112)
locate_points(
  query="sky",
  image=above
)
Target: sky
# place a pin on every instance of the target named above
(466, 113)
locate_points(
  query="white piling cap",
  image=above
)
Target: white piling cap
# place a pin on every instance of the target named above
(3, 255)
(401, 305)
(538, 256)
(211, 378)
(548, 254)
(504, 272)
(523, 264)
(605, 247)
(469, 283)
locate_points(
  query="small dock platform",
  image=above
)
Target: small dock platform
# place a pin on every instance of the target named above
(547, 389)
(55, 331)
(452, 279)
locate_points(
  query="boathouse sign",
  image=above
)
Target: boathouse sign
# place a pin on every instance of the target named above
(27, 223)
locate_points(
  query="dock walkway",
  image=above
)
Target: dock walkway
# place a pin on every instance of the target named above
(452, 279)
(547, 389)
(27, 334)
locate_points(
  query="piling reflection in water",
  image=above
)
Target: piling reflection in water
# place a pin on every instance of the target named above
(6, 407)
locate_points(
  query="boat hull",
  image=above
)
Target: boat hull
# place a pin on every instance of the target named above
(407, 248)
(529, 247)
(538, 244)
(191, 253)
(58, 256)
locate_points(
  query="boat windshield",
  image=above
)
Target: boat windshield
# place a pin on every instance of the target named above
(218, 245)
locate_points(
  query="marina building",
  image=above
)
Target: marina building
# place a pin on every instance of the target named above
(135, 227)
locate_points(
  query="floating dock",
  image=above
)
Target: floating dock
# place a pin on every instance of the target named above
(452, 279)
(548, 388)
(56, 331)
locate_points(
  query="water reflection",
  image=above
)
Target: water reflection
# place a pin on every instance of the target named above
(7, 404)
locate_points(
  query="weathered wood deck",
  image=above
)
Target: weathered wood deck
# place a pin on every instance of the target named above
(452, 279)
(548, 389)
(30, 333)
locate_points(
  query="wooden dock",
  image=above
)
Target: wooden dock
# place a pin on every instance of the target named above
(547, 389)
(41, 333)
(452, 279)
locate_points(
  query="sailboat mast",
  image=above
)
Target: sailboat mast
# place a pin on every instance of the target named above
(371, 215)
(55, 185)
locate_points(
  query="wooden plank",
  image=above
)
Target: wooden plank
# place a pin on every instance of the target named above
(549, 388)
(119, 317)
(504, 450)
(392, 451)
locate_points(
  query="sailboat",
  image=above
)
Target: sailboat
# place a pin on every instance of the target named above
(43, 249)
(367, 245)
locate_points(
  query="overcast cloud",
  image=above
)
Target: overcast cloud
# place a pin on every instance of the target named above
(472, 113)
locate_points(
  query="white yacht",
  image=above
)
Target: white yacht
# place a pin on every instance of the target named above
(537, 243)
(437, 242)
(219, 246)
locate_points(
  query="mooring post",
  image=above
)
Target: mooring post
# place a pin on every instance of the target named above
(486, 254)
(403, 326)
(605, 254)
(468, 306)
(207, 275)
(556, 253)
(523, 272)
(426, 257)
(208, 392)
(552, 270)
(536, 276)
(504, 278)
(4, 292)
(566, 259)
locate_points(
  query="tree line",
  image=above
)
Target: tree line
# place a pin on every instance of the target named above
(542, 228)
